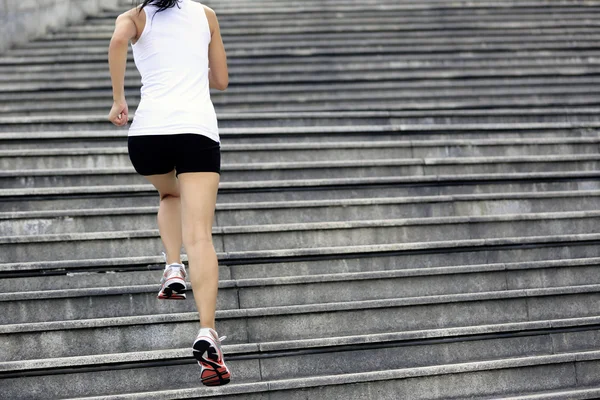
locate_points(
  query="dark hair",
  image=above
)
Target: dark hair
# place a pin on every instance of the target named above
(161, 4)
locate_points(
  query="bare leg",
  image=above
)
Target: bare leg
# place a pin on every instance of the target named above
(169, 214)
(198, 200)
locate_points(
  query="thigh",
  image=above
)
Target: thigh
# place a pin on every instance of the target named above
(198, 192)
(166, 184)
(150, 154)
(197, 153)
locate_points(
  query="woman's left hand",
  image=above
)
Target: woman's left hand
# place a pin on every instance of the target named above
(119, 113)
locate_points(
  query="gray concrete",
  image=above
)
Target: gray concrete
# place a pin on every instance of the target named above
(104, 157)
(321, 104)
(579, 394)
(359, 259)
(236, 172)
(423, 379)
(262, 138)
(426, 62)
(115, 381)
(440, 386)
(304, 235)
(145, 378)
(279, 212)
(507, 93)
(576, 327)
(24, 341)
(492, 377)
(40, 199)
(546, 114)
(337, 133)
(408, 208)
(336, 44)
(102, 82)
(101, 303)
(22, 20)
(124, 300)
(315, 63)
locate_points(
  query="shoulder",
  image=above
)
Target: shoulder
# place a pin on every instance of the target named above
(209, 11)
(211, 15)
(129, 15)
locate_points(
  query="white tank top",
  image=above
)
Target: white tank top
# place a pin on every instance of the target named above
(172, 58)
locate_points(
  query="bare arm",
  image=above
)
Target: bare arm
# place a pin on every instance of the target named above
(218, 76)
(125, 30)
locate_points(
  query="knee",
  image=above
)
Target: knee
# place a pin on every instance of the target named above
(168, 195)
(197, 237)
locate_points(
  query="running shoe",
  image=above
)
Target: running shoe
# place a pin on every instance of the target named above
(207, 350)
(172, 283)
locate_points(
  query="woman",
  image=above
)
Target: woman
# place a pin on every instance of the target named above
(174, 143)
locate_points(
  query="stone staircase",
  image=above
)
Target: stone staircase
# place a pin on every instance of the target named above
(408, 209)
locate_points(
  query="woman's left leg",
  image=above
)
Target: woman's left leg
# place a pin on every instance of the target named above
(169, 214)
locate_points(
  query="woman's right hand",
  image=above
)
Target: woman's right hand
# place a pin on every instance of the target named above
(119, 113)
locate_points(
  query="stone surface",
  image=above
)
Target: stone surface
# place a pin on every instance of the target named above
(32, 19)
(408, 206)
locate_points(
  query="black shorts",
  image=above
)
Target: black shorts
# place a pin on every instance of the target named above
(184, 152)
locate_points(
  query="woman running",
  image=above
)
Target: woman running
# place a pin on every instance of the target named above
(174, 143)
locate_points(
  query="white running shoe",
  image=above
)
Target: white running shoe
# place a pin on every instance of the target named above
(172, 283)
(208, 353)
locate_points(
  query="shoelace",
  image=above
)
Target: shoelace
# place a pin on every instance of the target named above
(179, 267)
(220, 343)
(220, 339)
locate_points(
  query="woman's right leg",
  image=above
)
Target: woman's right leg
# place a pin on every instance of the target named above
(198, 191)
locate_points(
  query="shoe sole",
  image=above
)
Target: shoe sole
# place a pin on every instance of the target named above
(174, 290)
(213, 374)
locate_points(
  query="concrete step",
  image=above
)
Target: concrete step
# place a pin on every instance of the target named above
(83, 197)
(32, 56)
(302, 235)
(270, 136)
(339, 102)
(105, 157)
(331, 75)
(561, 394)
(371, 8)
(299, 27)
(446, 15)
(130, 271)
(166, 331)
(63, 39)
(481, 379)
(278, 360)
(329, 20)
(373, 20)
(499, 116)
(445, 92)
(306, 170)
(554, 250)
(286, 212)
(381, 89)
(317, 63)
(231, 7)
(450, 42)
(379, 72)
(137, 299)
(305, 100)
